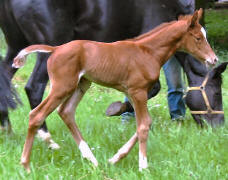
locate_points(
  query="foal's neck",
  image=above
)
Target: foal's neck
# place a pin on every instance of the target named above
(195, 71)
(165, 42)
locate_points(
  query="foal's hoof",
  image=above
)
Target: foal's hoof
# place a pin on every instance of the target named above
(26, 166)
(116, 109)
(114, 160)
(28, 170)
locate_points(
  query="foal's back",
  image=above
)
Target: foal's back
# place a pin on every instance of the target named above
(103, 63)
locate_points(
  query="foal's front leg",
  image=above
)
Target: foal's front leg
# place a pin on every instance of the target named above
(143, 125)
(143, 121)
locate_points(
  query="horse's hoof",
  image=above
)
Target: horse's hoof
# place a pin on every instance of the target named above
(26, 167)
(53, 146)
(113, 160)
(28, 170)
(116, 109)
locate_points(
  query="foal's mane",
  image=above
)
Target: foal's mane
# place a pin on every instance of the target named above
(158, 28)
(149, 33)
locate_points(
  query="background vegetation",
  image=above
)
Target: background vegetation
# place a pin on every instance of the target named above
(217, 27)
(174, 151)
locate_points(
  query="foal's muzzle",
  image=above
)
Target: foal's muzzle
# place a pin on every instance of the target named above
(212, 60)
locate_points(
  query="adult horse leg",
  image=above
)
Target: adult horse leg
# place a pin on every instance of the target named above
(9, 72)
(67, 113)
(5, 122)
(35, 89)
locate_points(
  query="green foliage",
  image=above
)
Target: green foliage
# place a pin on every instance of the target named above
(2, 45)
(217, 27)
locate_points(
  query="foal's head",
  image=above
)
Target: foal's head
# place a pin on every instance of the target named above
(194, 40)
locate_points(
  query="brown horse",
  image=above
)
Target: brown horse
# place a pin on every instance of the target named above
(130, 66)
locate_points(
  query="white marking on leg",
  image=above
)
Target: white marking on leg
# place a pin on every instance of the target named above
(124, 150)
(23, 160)
(87, 153)
(25, 164)
(142, 161)
(46, 136)
(53, 145)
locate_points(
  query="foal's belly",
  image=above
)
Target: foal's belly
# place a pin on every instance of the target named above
(107, 78)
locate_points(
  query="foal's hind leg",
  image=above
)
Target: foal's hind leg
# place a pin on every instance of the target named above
(37, 117)
(35, 89)
(67, 113)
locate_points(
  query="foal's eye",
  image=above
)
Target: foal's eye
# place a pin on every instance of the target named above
(198, 38)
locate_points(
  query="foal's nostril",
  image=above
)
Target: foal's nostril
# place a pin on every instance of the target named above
(214, 60)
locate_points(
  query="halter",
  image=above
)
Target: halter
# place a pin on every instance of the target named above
(202, 89)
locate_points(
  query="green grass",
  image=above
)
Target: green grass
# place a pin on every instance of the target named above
(174, 152)
(217, 27)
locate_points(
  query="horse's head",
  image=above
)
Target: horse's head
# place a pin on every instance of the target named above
(194, 40)
(196, 101)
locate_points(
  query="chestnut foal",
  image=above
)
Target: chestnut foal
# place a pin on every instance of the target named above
(130, 66)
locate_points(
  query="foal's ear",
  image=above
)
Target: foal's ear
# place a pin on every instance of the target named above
(193, 20)
(200, 13)
(217, 71)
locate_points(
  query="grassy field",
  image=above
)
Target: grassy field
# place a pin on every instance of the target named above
(174, 152)
(217, 26)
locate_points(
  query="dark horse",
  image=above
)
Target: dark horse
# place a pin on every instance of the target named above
(8, 97)
(207, 108)
(56, 22)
